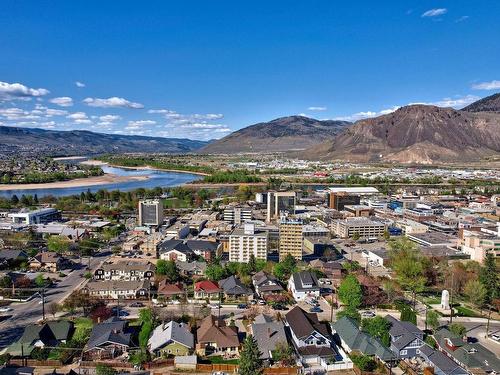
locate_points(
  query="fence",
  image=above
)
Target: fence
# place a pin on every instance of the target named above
(234, 368)
(35, 363)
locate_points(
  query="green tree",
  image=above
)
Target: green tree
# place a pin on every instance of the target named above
(252, 264)
(285, 268)
(377, 327)
(14, 200)
(489, 278)
(407, 262)
(356, 236)
(350, 312)
(457, 329)
(59, 244)
(102, 369)
(250, 361)
(432, 319)
(215, 272)
(167, 268)
(476, 293)
(349, 292)
(40, 281)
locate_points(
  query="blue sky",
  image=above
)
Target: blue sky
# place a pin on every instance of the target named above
(201, 69)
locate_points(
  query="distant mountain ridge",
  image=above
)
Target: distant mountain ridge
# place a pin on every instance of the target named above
(418, 134)
(489, 104)
(281, 134)
(78, 142)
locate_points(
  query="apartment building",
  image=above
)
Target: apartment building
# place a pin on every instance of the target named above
(245, 241)
(237, 215)
(150, 213)
(125, 270)
(290, 241)
(364, 227)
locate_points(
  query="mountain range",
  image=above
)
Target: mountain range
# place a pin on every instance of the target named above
(282, 134)
(77, 142)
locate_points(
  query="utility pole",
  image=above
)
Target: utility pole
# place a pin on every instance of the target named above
(488, 322)
(451, 299)
(43, 304)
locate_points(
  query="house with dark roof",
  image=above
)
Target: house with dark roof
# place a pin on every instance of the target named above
(406, 338)
(473, 357)
(206, 289)
(191, 269)
(215, 337)
(114, 289)
(171, 290)
(351, 338)
(303, 284)
(186, 250)
(233, 288)
(269, 335)
(311, 339)
(266, 284)
(39, 336)
(109, 339)
(442, 364)
(10, 257)
(171, 338)
(46, 261)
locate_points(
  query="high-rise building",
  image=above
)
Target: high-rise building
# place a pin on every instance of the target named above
(290, 241)
(280, 201)
(338, 200)
(150, 213)
(245, 241)
(237, 215)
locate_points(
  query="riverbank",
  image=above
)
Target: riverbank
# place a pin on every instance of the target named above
(78, 182)
(146, 168)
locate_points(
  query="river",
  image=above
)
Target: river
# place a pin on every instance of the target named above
(155, 178)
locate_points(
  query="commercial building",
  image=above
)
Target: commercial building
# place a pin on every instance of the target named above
(41, 216)
(290, 241)
(362, 226)
(150, 213)
(237, 215)
(434, 239)
(338, 200)
(359, 210)
(246, 241)
(478, 244)
(280, 201)
(410, 226)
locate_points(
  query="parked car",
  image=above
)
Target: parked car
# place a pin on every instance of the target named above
(496, 337)
(137, 304)
(279, 306)
(242, 306)
(262, 302)
(5, 309)
(315, 309)
(214, 305)
(367, 314)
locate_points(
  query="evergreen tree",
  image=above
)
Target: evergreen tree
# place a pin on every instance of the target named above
(14, 200)
(250, 362)
(252, 265)
(35, 199)
(489, 278)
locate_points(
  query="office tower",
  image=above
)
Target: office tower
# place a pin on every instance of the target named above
(290, 238)
(280, 201)
(338, 200)
(150, 213)
(245, 241)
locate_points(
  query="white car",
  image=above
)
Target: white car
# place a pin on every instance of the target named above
(214, 305)
(5, 309)
(367, 314)
(496, 337)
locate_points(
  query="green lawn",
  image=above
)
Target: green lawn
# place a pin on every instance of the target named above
(219, 360)
(465, 311)
(175, 203)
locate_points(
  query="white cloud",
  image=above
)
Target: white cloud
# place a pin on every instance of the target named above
(160, 111)
(79, 118)
(79, 84)
(55, 112)
(138, 124)
(19, 91)
(317, 109)
(457, 102)
(435, 12)
(113, 102)
(63, 101)
(461, 19)
(366, 114)
(492, 85)
(109, 118)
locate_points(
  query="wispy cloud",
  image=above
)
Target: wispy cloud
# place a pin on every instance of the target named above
(62, 101)
(461, 19)
(138, 124)
(367, 114)
(79, 84)
(491, 85)
(113, 102)
(79, 118)
(9, 91)
(435, 12)
(317, 109)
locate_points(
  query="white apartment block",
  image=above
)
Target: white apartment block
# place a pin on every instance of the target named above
(237, 215)
(245, 241)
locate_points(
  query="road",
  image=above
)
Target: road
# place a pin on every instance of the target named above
(25, 313)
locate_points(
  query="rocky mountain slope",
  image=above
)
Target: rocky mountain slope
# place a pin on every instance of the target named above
(282, 134)
(489, 104)
(48, 142)
(416, 134)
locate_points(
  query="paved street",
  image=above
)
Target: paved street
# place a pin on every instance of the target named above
(25, 313)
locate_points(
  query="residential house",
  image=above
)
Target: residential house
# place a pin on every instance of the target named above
(11, 257)
(473, 357)
(190, 269)
(331, 269)
(311, 339)
(233, 288)
(114, 289)
(206, 290)
(108, 340)
(205, 249)
(39, 336)
(441, 364)
(170, 290)
(265, 284)
(46, 261)
(303, 284)
(176, 250)
(269, 335)
(171, 338)
(125, 270)
(215, 337)
(351, 338)
(406, 338)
